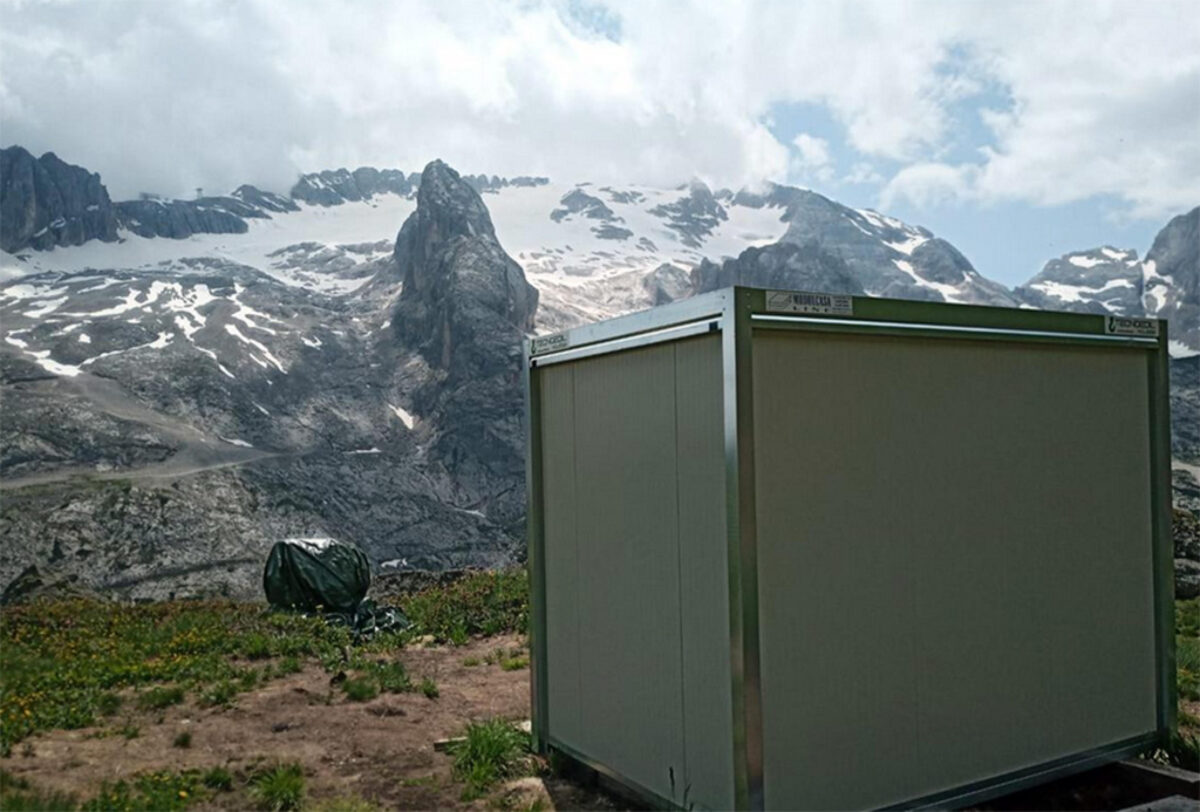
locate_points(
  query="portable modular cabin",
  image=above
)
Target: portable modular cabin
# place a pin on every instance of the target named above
(809, 551)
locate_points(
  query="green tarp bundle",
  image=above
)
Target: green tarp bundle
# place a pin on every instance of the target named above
(320, 575)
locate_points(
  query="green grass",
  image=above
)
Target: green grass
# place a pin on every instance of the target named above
(279, 788)
(217, 778)
(361, 689)
(1187, 648)
(149, 792)
(66, 663)
(429, 688)
(108, 703)
(160, 697)
(16, 795)
(490, 751)
(392, 676)
(482, 603)
(471, 662)
(514, 663)
(222, 694)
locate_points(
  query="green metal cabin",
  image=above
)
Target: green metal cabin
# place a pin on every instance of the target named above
(807, 551)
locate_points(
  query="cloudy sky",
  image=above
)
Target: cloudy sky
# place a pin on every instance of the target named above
(1017, 130)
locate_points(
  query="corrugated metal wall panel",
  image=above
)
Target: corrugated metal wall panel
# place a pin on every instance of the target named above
(954, 560)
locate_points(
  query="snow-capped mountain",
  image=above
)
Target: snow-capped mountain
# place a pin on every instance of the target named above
(184, 381)
(1101, 280)
(1171, 281)
(590, 250)
(164, 424)
(1111, 280)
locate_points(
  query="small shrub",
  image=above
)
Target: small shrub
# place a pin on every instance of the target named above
(361, 689)
(392, 676)
(183, 740)
(515, 663)
(429, 688)
(108, 703)
(278, 789)
(160, 697)
(490, 751)
(256, 647)
(471, 662)
(289, 665)
(221, 694)
(129, 731)
(247, 680)
(218, 778)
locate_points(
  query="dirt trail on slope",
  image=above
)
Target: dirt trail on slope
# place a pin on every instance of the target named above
(197, 452)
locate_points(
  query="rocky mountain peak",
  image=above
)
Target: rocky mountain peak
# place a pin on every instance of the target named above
(461, 290)
(1171, 279)
(1099, 280)
(45, 202)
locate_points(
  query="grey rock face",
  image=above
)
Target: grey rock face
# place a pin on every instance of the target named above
(484, 184)
(264, 201)
(464, 307)
(668, 283)
(163, 428)
(1102, 280)
(177, 219)
(693, 216)
(884, 256)
(579, 203)
(1185, 491)
(1172, 278)
(46, 202)
(1185, 409)
(784, 265)
(337, 186)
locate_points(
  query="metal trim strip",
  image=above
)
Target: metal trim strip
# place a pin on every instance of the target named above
(645, 339)
(706, 305)
(1024, 778)
(844, 323)
(535, 556)
(1162, 545)
(742, 529)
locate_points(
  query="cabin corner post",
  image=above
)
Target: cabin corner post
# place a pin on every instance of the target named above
(746, 687)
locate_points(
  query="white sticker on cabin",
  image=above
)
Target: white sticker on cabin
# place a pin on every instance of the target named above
(826, 304)
(1118, 326)
(542, 344)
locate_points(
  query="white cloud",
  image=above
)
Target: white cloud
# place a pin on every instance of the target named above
(168, 96)
(863, 173)
(929, 184)
(812, 158)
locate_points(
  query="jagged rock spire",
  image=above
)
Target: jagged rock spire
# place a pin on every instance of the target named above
(465, 302)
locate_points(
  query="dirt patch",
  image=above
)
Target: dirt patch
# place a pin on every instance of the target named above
(381, 750)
